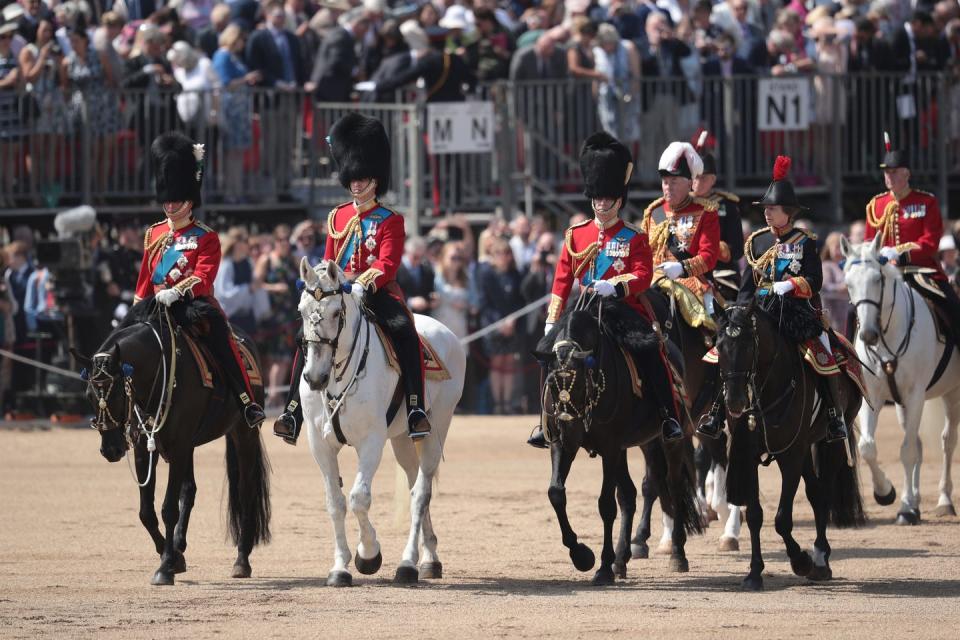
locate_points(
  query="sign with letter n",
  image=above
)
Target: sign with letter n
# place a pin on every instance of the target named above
(783, 104)
(460, 127)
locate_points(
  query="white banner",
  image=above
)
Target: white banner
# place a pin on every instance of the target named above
(460, 127)
(783, 104)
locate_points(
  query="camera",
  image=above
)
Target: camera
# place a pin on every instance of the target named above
(56, 49)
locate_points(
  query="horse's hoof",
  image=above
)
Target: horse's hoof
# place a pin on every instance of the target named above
(406, 575)
(665, 546)
(431, 570)
(886, 500)
(620, 570)
(728, 544)
(583, 558)
(679, 564)
(180, 564)
(162, 578)
(368, 566)
(712, 515)
(241, 570)
(911, 517)
(944, 510)
(640, 551)
(802, 564)
(752, 583)
(820, 574)
(603, 578)
(339, 579)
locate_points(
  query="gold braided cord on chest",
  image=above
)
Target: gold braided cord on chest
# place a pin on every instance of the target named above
(158, 246)
(761, 265)
(352, 226)
(886, 224)
(581, 259)
(658, 237)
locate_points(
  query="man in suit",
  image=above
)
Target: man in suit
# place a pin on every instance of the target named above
(917, 46)
(542, 60)
(749, 35)
(335, 67)
(275, 53)
(415, 276)
(867, 52)
(391, 66)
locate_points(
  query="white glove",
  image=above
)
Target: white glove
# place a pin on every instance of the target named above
(672, 270)
(890, 253)
(547, 327)
(604, 288)
(783, 288)
(168, 296)
(356, 289)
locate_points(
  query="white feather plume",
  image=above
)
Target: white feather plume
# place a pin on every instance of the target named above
(672, 154)
(199, 152)
(702, 140)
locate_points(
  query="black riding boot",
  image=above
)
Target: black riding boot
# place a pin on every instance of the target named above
(397, 321)
(657, 378)
(711, 424)
(836, 427)
(219, 343)
(287, 426)
(537, 438)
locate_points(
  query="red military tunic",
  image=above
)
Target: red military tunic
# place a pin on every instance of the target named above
(619, 253)
(368, 245)
(693, 230)
(912, 225)
(186, 259)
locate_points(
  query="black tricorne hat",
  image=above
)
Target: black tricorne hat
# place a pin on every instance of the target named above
(606, 165)
(893, 158)
(361, 150)
(780, 192)
(178, 168)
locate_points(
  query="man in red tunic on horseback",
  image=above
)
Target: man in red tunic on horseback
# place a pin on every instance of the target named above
(366, 240)
(181, 257)
(910, 225)
(613, 258)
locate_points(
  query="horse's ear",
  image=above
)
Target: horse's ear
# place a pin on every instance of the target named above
(877, 243)
(307, 274)
(86, 361)
(332, 270)
(845, 247)
(752, 305)
(543, 357)
(721, 312)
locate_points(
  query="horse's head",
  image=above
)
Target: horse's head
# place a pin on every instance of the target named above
(571, 354)
(738, 349)
(870, 279)
(108, 381)
(325, 305)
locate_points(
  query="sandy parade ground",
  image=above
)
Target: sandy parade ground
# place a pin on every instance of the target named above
(77, 563)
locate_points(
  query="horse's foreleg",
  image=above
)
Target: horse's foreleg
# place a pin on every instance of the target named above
(911, 455)
(170, 512)
(369, 452)
(818, 494)
(638, 546)
(790, 470)
(607, 505)
(754, 579)
(951, 406)
(883, 491)
(562, 458)
(188, 493)
(147, 465)
(326, 457)
(627, 500)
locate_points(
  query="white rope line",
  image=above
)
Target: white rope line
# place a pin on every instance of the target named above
(40, 365)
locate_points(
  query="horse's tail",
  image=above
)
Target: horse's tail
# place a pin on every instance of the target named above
(683, 497)
(846, 507)
(256, 476)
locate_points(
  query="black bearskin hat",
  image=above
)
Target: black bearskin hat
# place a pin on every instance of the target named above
(606, 166)
(178, 167)
(780, 192)
(893, 158)
(361, 150)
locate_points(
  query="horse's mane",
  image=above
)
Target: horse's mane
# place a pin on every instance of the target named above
(623, 325)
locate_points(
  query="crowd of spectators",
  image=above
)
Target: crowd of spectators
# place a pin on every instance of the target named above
(63, 64)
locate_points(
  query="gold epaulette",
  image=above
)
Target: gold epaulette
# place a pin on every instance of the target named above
(146, 236)
(203, 226)
(926, 193)
(707, 204)
(651, 208)
(727, 196)
(632, 227)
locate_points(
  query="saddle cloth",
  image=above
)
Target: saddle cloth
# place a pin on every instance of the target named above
(689, 303)
(206, 363)
(434, 369)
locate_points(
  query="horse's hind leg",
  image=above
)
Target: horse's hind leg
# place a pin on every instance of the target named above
(406, 455)
(818, 494)
(638, 546)
(430, 452)
(727, 514)
(790, 471)
(911, 455)
(627, 500)
(951, 405)
(147, 464)
(188, 494)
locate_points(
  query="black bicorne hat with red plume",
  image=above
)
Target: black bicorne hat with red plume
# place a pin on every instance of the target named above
(780, 192)
(892, 158)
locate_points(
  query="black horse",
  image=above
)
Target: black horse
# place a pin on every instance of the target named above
(589, 403)
(143, 379)
(701, 383)
(775, 414)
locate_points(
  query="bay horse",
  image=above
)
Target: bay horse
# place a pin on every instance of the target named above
(906, 363)
(348, 393)
(148, 395)
(589, 403)
(776, 414)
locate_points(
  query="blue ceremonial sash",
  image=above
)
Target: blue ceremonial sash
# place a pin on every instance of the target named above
(604, 261)
(170, 257)
(376, 216)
